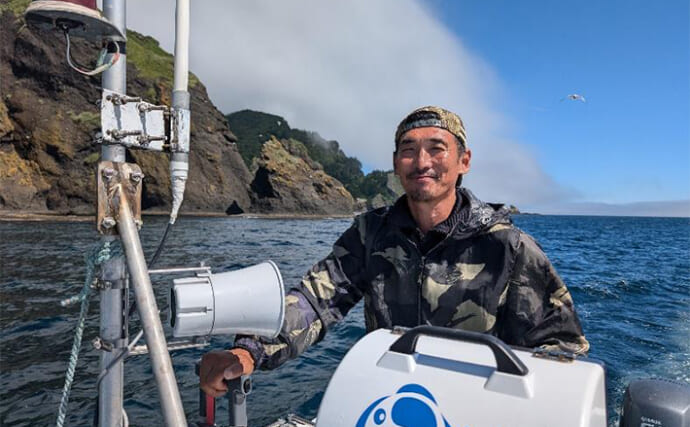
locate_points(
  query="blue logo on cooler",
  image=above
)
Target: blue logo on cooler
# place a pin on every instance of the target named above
(411, 406)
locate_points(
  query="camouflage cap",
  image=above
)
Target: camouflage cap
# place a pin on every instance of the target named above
(431, 116)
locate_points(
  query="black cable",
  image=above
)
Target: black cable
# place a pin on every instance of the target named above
(153, 260)
(160, 245)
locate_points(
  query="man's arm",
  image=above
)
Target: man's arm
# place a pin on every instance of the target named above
(326, 293)
(536, 308)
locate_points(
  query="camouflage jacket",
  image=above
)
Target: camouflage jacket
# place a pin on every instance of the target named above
(475, 271)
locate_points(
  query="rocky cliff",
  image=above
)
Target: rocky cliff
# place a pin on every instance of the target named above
(389, 189)
(288, 181)
(49, 116)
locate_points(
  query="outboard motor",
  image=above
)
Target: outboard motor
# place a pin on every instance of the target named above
(656, 403)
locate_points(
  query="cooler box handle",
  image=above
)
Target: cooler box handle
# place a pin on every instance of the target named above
(506, 360)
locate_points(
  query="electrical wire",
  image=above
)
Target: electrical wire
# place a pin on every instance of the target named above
(119, 357)
(100, 65)
(153, 260)
(105, 371)
(160, 245)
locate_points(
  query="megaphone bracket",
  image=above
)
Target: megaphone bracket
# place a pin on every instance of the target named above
(202, 269)
(194, 342)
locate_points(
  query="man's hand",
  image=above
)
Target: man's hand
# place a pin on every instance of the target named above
(218, 366)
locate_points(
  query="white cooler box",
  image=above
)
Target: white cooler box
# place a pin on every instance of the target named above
(439, 377)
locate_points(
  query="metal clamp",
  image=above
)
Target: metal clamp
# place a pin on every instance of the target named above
(105, 345)
(116, 180)
(104, 285)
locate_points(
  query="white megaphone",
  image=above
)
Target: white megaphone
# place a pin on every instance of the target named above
(249, 301)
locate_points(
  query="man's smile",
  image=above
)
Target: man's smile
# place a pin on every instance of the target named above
(423, 176)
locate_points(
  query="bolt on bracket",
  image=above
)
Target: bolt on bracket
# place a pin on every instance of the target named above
(114, 181)
(129, 121)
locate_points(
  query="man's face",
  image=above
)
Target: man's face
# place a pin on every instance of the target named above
(428, 162)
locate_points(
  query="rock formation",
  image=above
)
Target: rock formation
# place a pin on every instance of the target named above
(49, 116)
(389, 192)
(288, 181)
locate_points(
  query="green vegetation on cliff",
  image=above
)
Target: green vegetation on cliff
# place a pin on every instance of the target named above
(48, 120)
(17, 7)
(151, 61)
(372, 184)
(253, 128)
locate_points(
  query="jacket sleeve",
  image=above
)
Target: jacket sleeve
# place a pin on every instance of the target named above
(537, 308)
(326, 293)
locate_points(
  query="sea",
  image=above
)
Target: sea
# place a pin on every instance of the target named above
(629, 278)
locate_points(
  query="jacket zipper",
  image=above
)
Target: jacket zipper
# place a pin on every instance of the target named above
(419, 290)
(421, 275)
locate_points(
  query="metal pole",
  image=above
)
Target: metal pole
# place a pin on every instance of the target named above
(113, 309)
(113, 301)
(115, 78)
(171, 404)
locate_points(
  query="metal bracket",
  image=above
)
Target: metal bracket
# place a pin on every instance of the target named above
(181, 270)
(196, 342)
(104, 285)
(105, 345)
(180, 123)
(129, 121)
(116, 180)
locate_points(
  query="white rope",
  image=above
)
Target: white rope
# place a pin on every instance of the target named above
(98, 255)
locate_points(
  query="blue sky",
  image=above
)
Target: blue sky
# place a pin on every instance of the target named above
(351, 70)
(630, 59)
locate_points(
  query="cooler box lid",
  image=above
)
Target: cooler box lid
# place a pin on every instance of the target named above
(439, 377)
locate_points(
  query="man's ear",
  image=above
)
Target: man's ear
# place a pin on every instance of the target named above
(465, 160)
(395, 166)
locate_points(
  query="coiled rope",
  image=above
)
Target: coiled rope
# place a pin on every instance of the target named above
(98, 255)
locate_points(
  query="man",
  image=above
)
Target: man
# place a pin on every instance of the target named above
(439, 256)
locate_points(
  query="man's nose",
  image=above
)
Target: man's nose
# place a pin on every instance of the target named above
(422, 160)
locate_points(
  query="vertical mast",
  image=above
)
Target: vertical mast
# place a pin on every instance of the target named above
(113, 301)
(112, 306)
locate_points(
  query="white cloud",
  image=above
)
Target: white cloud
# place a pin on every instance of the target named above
(351, 70)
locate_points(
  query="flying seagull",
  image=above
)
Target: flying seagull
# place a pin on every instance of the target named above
(575, 97)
